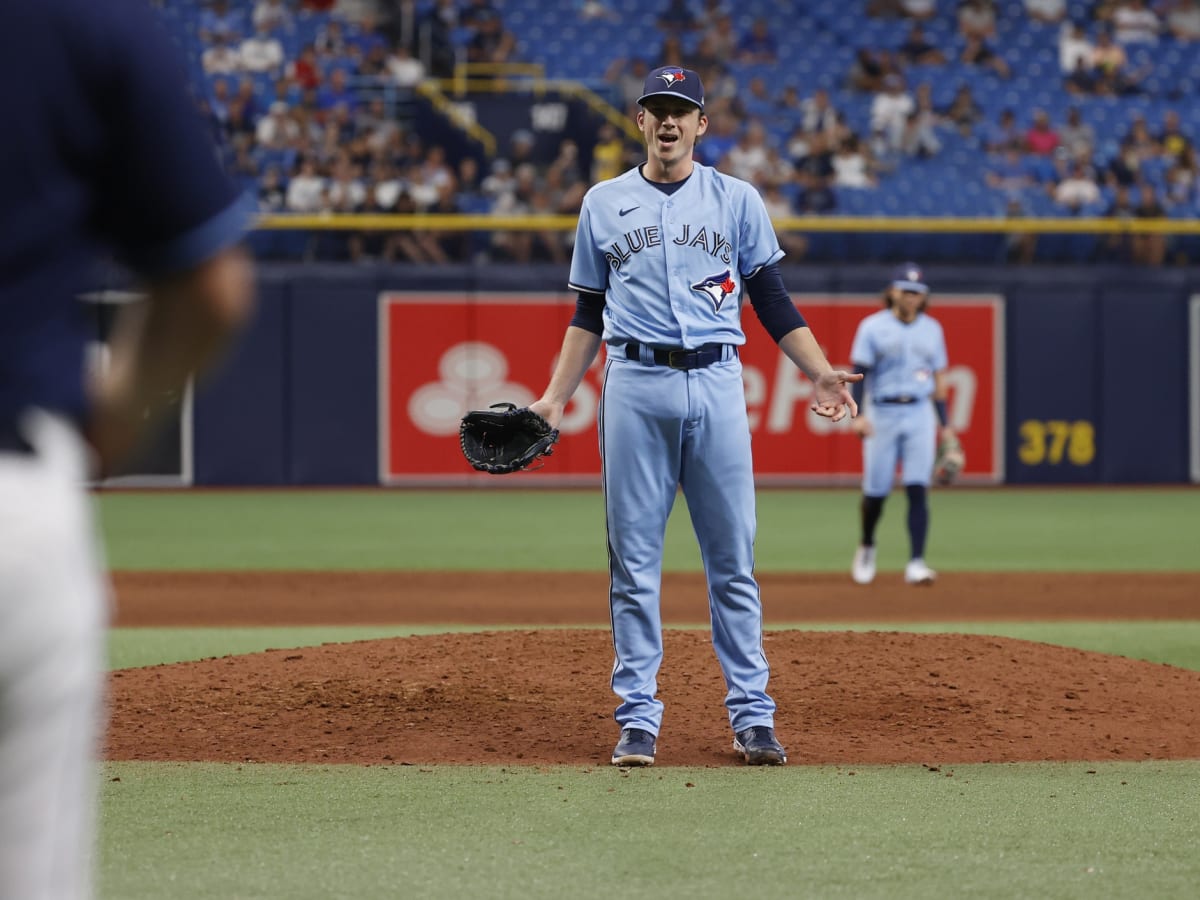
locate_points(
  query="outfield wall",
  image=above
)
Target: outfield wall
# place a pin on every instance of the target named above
(350, 375)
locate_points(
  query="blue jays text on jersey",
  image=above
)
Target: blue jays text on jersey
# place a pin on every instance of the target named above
(706, 238)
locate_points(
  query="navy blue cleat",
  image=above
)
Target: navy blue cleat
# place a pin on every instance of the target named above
(758, 747)
(635, 748)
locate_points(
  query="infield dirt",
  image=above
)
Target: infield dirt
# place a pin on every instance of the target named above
(541, 696)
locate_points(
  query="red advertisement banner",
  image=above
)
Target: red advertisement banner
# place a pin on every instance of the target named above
(441, 355)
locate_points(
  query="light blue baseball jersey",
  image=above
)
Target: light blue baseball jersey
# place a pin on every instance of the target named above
(902, 357)
(702, 242)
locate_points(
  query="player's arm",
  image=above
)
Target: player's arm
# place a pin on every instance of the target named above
(580, 345)
(774, 308)
(941, 394)
(861, 424)
(157, 344)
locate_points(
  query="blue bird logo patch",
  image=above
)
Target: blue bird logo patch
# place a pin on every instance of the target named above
(716, 288)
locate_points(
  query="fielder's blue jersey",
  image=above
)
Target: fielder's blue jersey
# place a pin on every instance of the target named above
(672, 267)
(902, 356)
(105, 151)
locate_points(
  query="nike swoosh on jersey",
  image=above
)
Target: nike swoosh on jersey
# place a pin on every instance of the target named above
(625, 212)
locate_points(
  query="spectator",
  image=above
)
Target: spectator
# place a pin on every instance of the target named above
(920, 129)
(220, 58)
(723, 37)
(1082, 81)
(1183, 20)
(1135, 23)
(921, 10)
(1149, 248)
(677, 18)
(435, 45)
(1073, 47)
(817, 163)
(344, 192)
(221, 20)
(1009, 173)
(778, 207)
(757, 101)
(758, 45)
(1078, 190)
(1143, 142)
(272, 198)
(816, 196)
(976, 52)
(608, 155)
(818, 114)
(1078, 137)
(262, 51)
(337, 92)
(274, 14)
(305, 69)
(890, 109)
(1182, 179)
(1020, 247)
(977, 19)
(492, 42)
(1124, 169)
(277, 130)
(723, 131)
(330, 41)
(403, 69)
(747, 159)
(963, 112)
(1046, 12)
(1118, 246)
(1041, 139)
(627, 75)
(851, 166)
(870, 68)
(917, 50)
(1171, 136)
(597, 10)
(306, 190)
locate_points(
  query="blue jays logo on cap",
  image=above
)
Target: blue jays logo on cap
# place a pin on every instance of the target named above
(672, 81)
(908, 277)
(716, 287)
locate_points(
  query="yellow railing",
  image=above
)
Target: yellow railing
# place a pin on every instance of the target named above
(849, 224)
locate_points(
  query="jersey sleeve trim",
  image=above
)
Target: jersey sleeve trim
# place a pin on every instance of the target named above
(583, 287)
(199, 243)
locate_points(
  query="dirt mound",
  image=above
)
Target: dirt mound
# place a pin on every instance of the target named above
(542, 697)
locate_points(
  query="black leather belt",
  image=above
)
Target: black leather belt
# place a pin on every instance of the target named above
(680, 357)
(903, 398)
(12, 441)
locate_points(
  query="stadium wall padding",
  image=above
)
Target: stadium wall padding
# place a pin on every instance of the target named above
(1096, 358)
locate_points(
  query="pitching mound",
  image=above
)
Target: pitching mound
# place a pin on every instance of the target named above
(542, 697)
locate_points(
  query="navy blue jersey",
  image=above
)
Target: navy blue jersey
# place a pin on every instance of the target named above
(104, 152)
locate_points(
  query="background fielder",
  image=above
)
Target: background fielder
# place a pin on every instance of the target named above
(902, 352)
(102, 149)
(664, 256)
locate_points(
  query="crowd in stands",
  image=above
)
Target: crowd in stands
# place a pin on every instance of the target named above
(301, 97)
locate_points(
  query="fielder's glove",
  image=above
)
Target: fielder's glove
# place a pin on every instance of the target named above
(949, 460)
(504, 439)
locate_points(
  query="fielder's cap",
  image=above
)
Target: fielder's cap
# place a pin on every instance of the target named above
(909, 277)
(672, 81)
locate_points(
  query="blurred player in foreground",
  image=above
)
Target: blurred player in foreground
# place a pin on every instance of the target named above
(902, 352)
(104, 152)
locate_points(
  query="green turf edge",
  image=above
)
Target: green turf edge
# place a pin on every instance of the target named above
(1008, 529)
(1173, 642)
(1061, 830)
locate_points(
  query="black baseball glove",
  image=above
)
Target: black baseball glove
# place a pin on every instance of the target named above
(505, 438)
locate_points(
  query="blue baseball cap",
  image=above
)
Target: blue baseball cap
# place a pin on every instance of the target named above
(672, 81)
(909, 277)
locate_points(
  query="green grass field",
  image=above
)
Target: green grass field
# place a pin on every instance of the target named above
(1082, 830)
